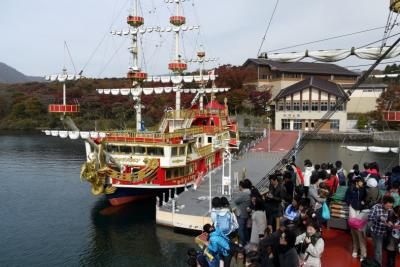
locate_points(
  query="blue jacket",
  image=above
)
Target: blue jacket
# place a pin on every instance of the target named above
(219, 243)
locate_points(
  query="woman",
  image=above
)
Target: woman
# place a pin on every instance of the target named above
(238, 258)
(292, 210)
(355, 198)
(287, 252)
(311, 246)
(259, 223)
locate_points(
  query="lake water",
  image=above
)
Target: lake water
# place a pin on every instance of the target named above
(48, 217)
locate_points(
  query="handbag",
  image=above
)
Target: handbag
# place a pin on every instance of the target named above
(359, 221)
(326, 215)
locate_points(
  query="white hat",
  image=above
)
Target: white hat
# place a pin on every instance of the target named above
(371, 182)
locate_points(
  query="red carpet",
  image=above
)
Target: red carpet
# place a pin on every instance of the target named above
(338, 248)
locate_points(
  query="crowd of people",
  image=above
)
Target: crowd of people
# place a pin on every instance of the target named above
(281, 226)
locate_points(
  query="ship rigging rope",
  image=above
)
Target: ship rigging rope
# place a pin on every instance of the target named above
(329, 38)
(69, 54)
(104, 37)
(269, 25)
(389, 27)
(112, 57)
(264, 182)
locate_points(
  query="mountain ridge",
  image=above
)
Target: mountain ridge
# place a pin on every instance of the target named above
(9, 75)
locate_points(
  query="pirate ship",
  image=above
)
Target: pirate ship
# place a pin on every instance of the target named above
(127, 165)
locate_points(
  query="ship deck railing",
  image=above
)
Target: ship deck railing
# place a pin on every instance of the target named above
(188, 114)
(129, 135)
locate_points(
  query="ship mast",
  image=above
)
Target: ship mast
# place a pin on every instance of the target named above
(135, 73)
(178, 67)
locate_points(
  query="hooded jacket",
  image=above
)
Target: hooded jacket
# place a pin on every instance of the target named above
(307, 175)
(219, 243)
(225, 220)
(372, 196)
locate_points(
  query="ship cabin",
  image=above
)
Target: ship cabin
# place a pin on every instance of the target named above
(189, 142)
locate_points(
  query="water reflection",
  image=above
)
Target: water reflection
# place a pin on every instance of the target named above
(127, 236)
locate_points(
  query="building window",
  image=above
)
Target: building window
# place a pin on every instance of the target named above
(296, 105)
(368, 90)
(285, 124)
(209, 139)
(324, 106)
(334, 124)
(305, 106)
(297, 124)
(314, 106)
(341, 107)
(288, 106)
(280, 106)
(378, 90)
(332, 105)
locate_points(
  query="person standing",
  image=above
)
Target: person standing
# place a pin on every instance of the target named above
(259, 223)
(332, 182)
(218, 245)
(311, 246)
(355, 198)
(274, 202)
(288, 256)
(379, 217)
(308, 170)
(393, 237)
(242, 201)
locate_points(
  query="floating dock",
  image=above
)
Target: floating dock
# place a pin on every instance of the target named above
(190, 210)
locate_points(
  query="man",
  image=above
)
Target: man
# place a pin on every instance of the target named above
(308, 170)
(274, 202)
(379, 217)
(333, 182)
(341, 173)
(218, 245)
(242, 201)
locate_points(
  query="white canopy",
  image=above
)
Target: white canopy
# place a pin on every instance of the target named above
(375, 149)
(144, 30)
(158, 90)
(179, 79)
(62, 77)
(371, 53)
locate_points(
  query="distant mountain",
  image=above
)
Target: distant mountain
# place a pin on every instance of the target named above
(11, 75)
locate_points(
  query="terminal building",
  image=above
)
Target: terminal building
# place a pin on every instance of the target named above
(301, 105)
(302, 92)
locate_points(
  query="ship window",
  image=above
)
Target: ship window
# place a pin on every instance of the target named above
(200, 140)
(190, 148)
(139, 150)
(125, 149)
(176, 172)
(155, 151)
(182, 171)
(209, 139)
(174, 151)
(182, 151)
(112, 149)
(168, 174)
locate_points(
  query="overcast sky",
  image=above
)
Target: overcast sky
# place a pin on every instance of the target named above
(33, 32)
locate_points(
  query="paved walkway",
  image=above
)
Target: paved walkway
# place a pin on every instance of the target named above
(280, 141)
